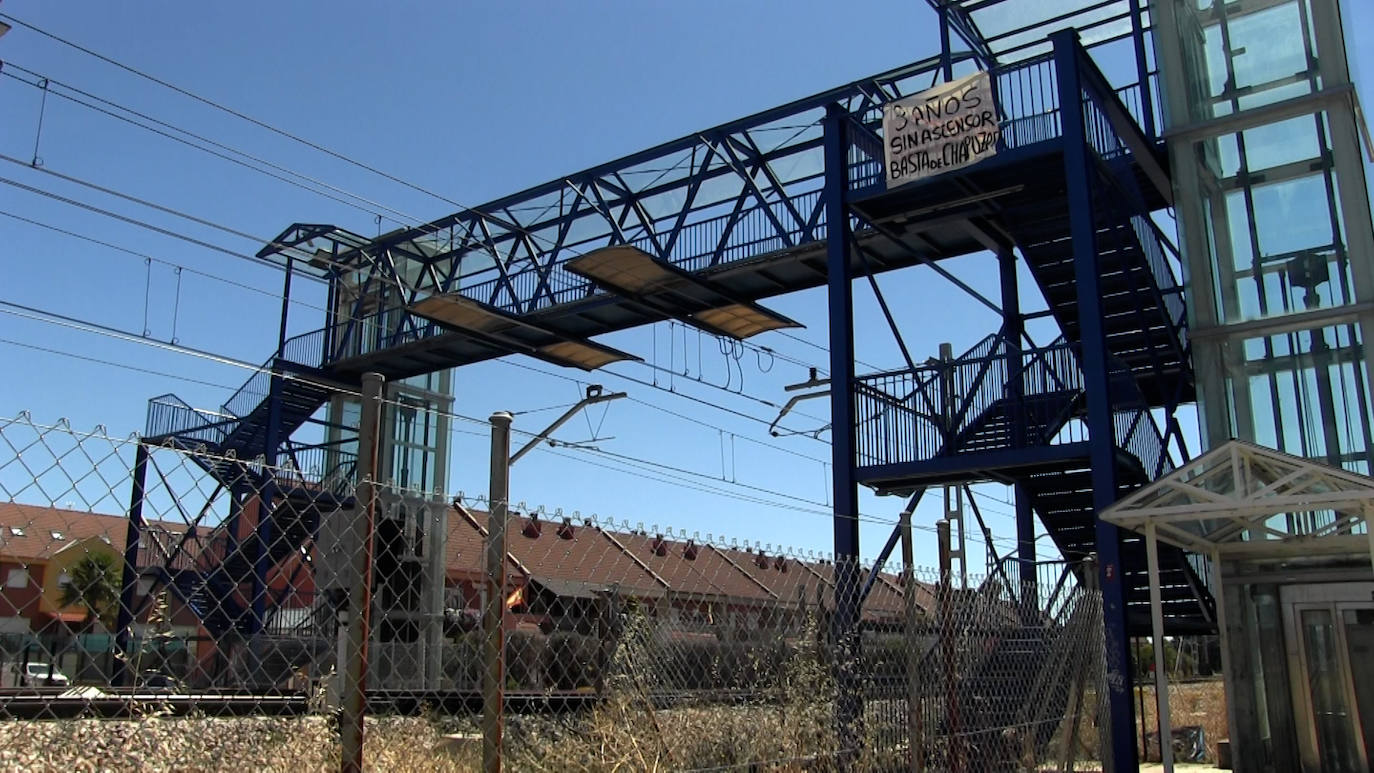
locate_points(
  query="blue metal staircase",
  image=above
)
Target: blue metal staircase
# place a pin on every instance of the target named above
(1146, 327)
(996, 412)
(211, 573)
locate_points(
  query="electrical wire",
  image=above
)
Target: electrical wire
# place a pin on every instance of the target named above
(120, 365)
(231, 111)
(651, 385)
(274, 294)
(74, 323)
(260, 124)
(302, 181)
(143, 224)
(502, 222)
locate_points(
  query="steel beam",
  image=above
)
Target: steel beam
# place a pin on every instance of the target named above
(845, 495)
(1078, 171)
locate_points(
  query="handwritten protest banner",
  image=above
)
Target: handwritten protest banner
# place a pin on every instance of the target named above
(948, 127)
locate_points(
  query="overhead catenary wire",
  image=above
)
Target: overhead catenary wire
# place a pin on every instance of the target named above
(675, 476)
(225, 109)
(275, 294)
(75, 323)
(139, 223)
(119, 365)
(255, 121)
(666, 390)
(134, 118)
(691, 478)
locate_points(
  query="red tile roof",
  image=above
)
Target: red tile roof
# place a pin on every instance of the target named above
(792, 580)
(708, 574)
(570, 556)
(32, 533)
(588, 558)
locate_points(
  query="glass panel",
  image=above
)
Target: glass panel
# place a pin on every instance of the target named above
(1304, 392)
(1239, 58)
(1359, 639)
(1273, 223)
(1331, 715)
(414, 447)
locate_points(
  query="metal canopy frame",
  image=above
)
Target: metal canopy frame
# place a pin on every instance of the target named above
(1242, 500)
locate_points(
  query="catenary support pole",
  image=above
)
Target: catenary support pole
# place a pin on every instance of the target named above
(1165, 726)
(493, 614)
(359, 604)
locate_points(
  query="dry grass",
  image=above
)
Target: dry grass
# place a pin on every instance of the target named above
(792, 730)
(603, 740)
(202, 744)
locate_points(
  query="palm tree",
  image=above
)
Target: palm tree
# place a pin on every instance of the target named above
(93, 584)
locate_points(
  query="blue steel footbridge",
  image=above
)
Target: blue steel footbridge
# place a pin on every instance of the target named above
(705, 228)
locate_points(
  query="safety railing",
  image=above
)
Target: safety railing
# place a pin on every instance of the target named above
(721, 239)
(306, 349)
(377, 332)
(1134, 427)
(994, 398)
(325, 469)
(253, 391)
(901, 411)
(1151, 242)
(1028, 102)
(944, 407)
(169, 416)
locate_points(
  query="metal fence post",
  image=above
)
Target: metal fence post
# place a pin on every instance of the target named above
(493, 616)
(915, 737)
(359, 605)
(947, 648)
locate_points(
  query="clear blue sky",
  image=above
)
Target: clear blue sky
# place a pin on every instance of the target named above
(473, 101)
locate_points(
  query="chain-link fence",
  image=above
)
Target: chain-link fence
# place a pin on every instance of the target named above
(217, 610)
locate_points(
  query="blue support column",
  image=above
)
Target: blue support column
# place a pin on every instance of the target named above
(266, 531)
(1012, 328)
(128, 585)
(946, 54)
(1079, 172)
(845, 625)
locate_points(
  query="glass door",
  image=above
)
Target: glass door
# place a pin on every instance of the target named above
(1330, 633)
